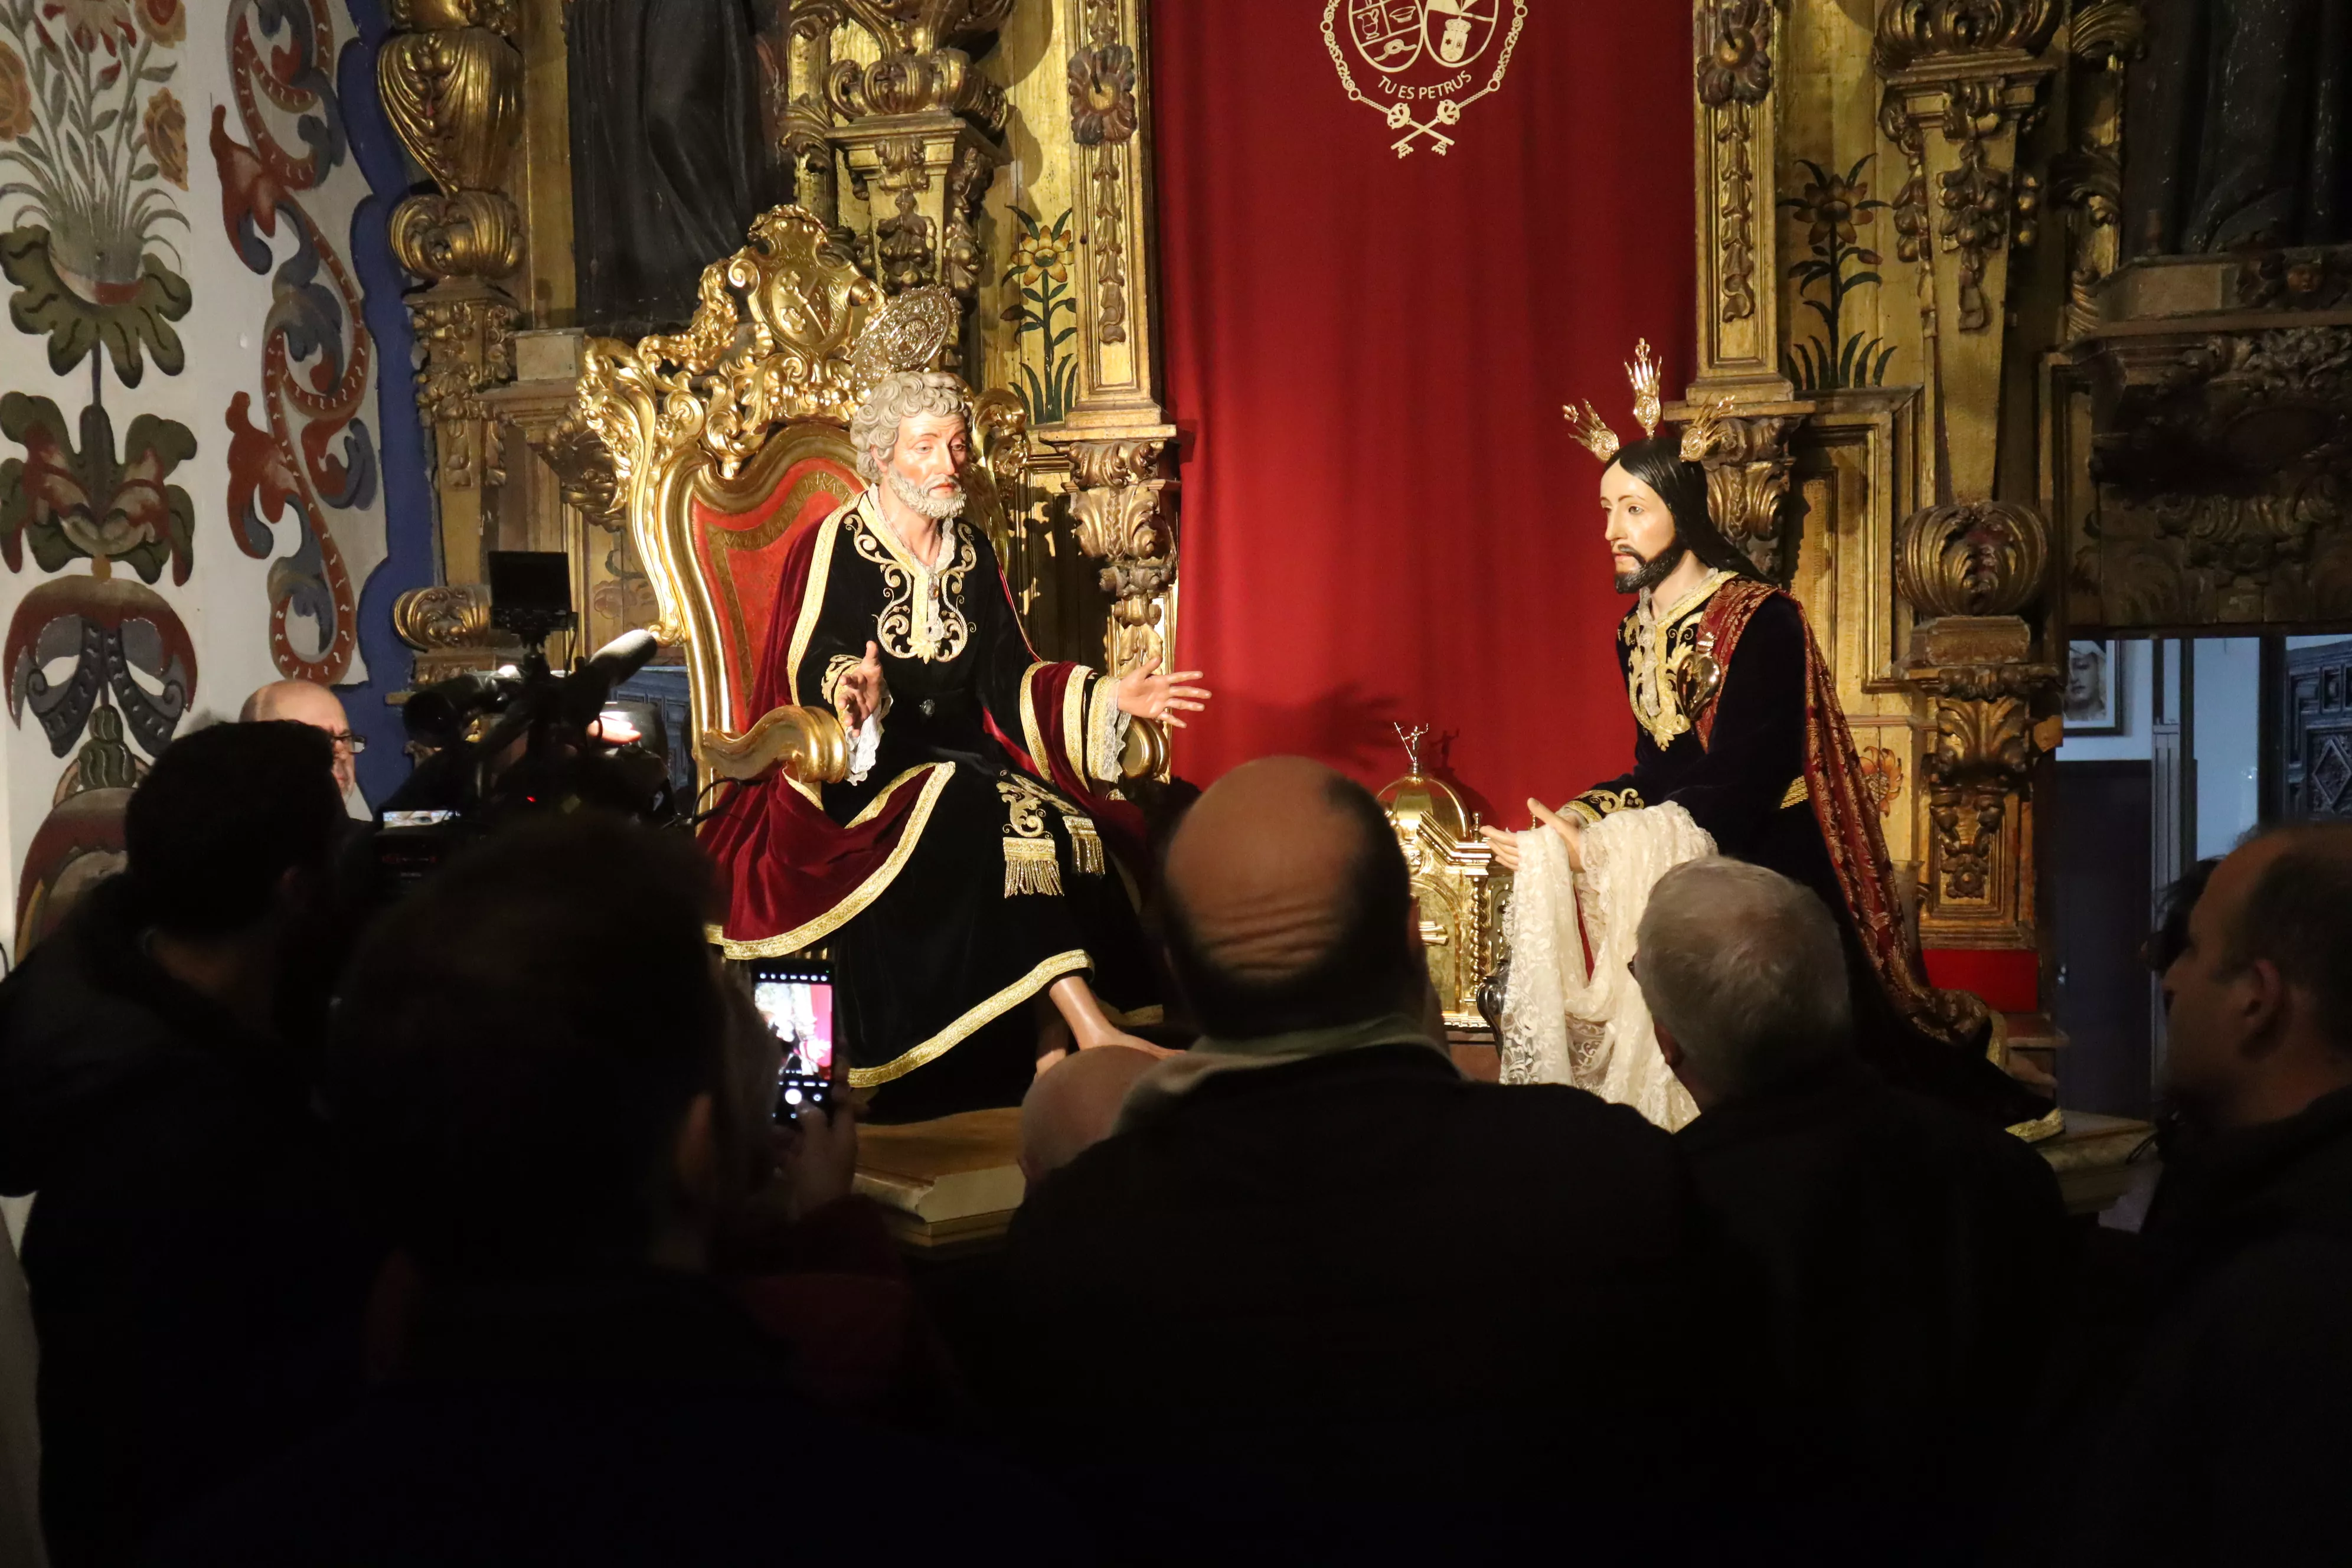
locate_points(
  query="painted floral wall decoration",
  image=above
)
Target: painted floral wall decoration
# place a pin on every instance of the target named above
(1834, 209)
(1039, 276)
(304, 458)
(88, 130)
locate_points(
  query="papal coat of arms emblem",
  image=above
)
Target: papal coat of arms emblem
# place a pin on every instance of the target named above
(1427, 60)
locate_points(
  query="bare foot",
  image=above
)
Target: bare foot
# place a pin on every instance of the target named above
(1047, 1060)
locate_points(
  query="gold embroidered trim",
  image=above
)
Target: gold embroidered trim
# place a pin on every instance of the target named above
(1155, 1014)
(1797, 793)
(1031, 729)
(1031, 864)
(812, 609)
(1595, 803)
(1074, 723)
(919, 620)
(1653, 672)
(866, 893)
(963, 1028)
(1086, 845)
(1031, 867)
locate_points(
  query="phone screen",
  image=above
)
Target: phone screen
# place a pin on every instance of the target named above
(798, 1005)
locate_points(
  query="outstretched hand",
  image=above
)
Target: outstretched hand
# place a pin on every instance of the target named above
(1142, 694)
(1506, 843)
(860, 690)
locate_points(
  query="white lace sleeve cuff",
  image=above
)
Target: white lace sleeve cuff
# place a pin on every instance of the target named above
(862, 747)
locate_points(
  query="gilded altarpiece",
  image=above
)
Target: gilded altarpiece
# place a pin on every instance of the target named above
(1874, 279)
(999, 148)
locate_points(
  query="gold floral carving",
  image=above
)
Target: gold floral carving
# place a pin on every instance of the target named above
(451, 84)
(1972, 558)
(1734, 74)
(1103, 117)
(470, 234)
(1913, 32)
(455, 99)
(773, 340)
(445, 616)
(807, 125)
(466, 331)
(2221, 461)
(1118, 502)
(1747, 462)
(1986, 743)
(922, 71)
(2103, 38)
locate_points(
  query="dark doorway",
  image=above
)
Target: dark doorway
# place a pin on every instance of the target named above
(2099, 869)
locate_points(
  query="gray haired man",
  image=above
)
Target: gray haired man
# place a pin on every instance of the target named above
(1911, 1252)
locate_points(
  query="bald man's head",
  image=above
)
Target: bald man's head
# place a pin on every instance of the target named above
(1073, 1104)
(306, 703)
(1290, 903)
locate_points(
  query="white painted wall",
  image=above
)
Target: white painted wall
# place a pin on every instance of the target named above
(2229, 739)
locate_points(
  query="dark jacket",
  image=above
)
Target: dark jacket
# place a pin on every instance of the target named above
(1376, 1309)
(196, 1285)
(2232, 1444)
(636, 1417)
(1916, 1258)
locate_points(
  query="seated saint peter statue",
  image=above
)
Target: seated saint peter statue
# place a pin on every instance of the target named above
(1742, 748)
(974, 858)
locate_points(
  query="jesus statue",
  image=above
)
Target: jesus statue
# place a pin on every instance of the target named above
(1741, 749)
(968, 872)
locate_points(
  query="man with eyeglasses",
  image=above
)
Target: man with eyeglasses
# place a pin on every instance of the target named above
(306, 703)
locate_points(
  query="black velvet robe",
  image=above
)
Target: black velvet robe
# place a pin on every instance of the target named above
(952, 945)
(1744, 783)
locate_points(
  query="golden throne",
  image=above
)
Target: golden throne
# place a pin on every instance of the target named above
(728, 439)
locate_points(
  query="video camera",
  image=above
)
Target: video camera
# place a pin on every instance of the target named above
(526, 739)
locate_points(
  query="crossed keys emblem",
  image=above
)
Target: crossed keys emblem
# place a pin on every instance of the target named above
(1421, 52)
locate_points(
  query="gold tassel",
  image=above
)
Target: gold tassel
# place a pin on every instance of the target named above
(1030, 868)
(1086, 845)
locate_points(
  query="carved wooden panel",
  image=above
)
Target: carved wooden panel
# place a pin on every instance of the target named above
(2318, 732)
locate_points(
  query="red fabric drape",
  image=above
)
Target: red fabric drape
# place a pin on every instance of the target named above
(1384, 518)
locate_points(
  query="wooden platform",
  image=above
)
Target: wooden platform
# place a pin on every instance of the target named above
(949, 1184)
(952, 1184)
(2092, 1158)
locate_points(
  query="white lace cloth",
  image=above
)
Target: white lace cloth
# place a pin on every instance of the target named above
(1563, 1023)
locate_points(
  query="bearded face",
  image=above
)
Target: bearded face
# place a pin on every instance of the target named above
(1642, 542)
(1636, 579)
(924, 467)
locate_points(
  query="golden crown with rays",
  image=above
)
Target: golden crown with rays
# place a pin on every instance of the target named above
(1699, 436)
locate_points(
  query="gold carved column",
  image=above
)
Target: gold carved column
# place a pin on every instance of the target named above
(1750, 408)
(451, 80)
(920, 132)
(1963, 80)
(1121, 447)
(1738, 296)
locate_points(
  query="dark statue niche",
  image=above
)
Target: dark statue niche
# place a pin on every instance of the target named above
(669, 162)
(2239, 130)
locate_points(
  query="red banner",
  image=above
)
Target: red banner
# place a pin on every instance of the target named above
(1384, 518)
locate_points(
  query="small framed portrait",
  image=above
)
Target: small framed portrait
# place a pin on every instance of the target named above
(2091, 702)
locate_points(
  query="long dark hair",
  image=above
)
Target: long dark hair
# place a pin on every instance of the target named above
(1658, 463)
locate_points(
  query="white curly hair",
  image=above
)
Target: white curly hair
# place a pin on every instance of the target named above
(898, 397)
